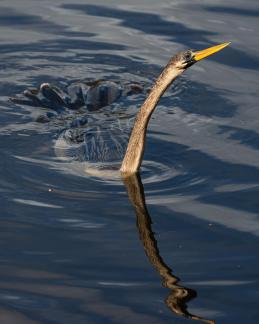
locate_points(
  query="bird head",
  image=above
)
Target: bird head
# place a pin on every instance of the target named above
(185, 59)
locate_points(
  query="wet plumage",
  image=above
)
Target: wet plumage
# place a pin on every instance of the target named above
(94, 130)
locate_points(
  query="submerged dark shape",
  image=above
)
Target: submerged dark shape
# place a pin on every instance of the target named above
(93, 130)
(92, 95)
(179, 295)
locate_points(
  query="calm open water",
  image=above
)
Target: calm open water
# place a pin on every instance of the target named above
(71, 251)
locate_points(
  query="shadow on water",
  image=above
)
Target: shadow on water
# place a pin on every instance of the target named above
(145, 22)
(57, 46)
(152, 24)
(246, 137)
(233, 11)
(22, 21)
(199, 99)
(207, 166)
(179, 296)
(213, 172)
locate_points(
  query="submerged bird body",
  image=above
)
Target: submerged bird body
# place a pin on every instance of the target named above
(96, 144)
(95, 124)
(101, 136)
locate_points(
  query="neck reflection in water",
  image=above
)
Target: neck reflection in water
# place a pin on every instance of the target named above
(178, 297)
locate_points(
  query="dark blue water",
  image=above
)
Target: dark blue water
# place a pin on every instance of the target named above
(77, 248)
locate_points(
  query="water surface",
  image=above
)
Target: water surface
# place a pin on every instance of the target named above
(71, 249)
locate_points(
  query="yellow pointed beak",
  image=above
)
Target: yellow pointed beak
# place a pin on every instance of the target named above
(200, 55)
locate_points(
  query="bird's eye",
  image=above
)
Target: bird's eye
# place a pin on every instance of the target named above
(188, 56)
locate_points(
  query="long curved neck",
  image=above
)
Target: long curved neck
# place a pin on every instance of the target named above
(135, 150)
